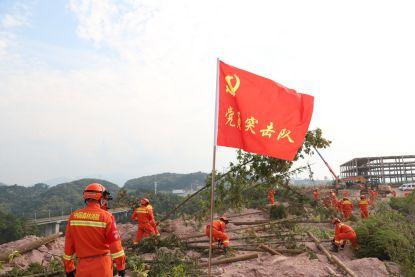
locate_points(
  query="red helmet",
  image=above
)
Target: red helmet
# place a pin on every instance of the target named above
(94, 191)
(145, 200)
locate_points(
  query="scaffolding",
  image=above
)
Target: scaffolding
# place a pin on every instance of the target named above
(381, 170)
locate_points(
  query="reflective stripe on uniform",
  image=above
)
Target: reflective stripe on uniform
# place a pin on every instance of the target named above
(141, 211)
(67, 257)
(225, 241)
(99, 224)
(118, 254)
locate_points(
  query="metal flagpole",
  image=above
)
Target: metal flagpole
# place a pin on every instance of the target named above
(212, 191)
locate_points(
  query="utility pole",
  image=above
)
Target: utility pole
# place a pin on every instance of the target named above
(155, 187)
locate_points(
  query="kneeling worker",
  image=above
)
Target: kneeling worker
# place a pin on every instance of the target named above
(218, 233)
(145, 218)
(342, 233)
(91, 235)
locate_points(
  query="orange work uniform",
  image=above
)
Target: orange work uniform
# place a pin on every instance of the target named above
(153, 223)
(218, 232)
(346, 208)
(364, 208)
(315, 195)
(344, 232)
(145, 218)
(92, 235)
(271, 197)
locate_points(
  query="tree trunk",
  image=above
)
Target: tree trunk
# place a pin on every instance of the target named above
(4, 256)
(233, 259)
(332, 258)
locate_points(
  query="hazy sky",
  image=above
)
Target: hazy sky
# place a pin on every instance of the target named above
(122, 88)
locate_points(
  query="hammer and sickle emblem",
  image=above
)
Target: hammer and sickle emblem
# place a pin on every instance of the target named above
(232, 88)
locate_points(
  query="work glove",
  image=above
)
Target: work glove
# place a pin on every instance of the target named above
(71, 274)
(121, 273)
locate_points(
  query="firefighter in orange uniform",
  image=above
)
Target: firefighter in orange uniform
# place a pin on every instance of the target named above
(271, 196)
(364, 207)
(153, 223)
(342, 233)
(315, 195)
(92, 235)
(218, 233)
(372, 196)
(145, 218)
(346, 208)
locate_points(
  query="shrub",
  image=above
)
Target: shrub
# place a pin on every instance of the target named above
(388, 235)
(278, 212)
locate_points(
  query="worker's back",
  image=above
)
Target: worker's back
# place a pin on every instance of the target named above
(91, 231)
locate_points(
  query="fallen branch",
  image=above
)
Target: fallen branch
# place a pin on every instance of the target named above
(4, 256)
(258, 237)
(267, 222)
(332, 258)
(269, 250)
(252, 247)
(240, 215)
(54, 273)
(258, 222)
(233, 259)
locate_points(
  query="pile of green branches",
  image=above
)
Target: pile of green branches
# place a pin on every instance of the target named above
(388, 235)
(54, 266)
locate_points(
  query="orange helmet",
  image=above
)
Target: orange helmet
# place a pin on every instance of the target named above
(335, 221)
(94, 191)
(145, 200)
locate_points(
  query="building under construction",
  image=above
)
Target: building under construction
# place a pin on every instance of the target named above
(381, 170)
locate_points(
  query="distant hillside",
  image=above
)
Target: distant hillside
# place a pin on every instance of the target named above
(166, 181)
(2, 185)
(42, 198)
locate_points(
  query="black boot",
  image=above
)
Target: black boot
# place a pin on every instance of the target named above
(334, 247)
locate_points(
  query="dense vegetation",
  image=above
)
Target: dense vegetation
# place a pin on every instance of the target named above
(166, 182)
(25, 201)
(12, 228)
(389, 234)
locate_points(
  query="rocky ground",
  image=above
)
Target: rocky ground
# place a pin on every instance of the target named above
(265, 265)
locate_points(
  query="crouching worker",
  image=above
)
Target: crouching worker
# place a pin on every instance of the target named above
(218, 233)
(91, 235)
(342, 234)
(145, 218)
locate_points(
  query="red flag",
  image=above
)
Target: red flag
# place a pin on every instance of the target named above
(259, 115)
